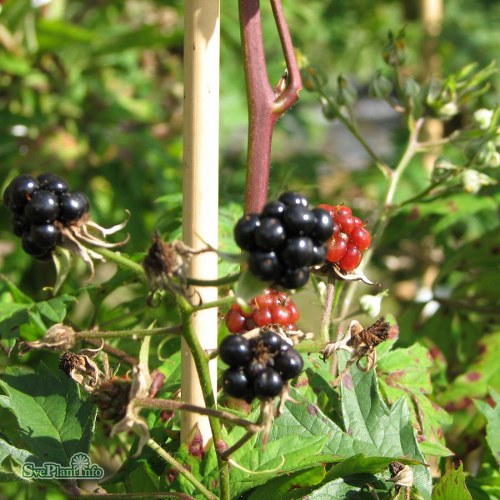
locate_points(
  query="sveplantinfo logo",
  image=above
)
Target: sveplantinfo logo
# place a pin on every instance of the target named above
(80, 467)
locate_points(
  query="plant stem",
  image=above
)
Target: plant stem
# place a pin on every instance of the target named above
(226, 280)
(136, 333)
(201, 362)
(387, 204)
(180, 468)
(386, 170)
(327, 311)
(121, 260)
(265, 104)
(116, 353)
(225, 301)
(168, 404)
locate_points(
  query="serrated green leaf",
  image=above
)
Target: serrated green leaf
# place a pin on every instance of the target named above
(378, 429)
(55, 309)
(406, 373)
(12, 469)
(54, 421)
(340, 489)
(493, 426)
(452, 485)
(279, 487)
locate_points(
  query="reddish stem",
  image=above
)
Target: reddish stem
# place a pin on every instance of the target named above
(265, 104)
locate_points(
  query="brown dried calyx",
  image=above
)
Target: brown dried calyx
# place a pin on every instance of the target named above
(58, 337)
(166, 264)
(361, 342)
(112, 398)
(82, 368)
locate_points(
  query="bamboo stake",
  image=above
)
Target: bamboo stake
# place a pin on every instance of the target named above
(200, 188)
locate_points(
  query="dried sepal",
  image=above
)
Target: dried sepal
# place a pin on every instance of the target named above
(82, 368)
(333, 272)
(77, 235)
(401, 476)
(132, 421)
(166, 265)
(58, 337)
(361, 343)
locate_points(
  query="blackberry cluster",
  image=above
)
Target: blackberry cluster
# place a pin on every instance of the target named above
(265, 309)
(258, 367)
(40, 207)
(349, 239)
(285, 240)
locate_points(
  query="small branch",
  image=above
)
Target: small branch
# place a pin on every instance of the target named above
(168, 404)
(136, 333)
(226, 280)
(327, 311)
(286, 98)
(226, 301)
(116, 353)
(180, 468)
(121, 260)
(229, 451)
(265, 104)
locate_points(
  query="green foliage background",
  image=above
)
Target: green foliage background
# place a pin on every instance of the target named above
(93, 91)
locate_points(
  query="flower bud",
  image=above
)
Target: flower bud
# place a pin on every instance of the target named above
(371, 304)
(483, 117)
(380, 86)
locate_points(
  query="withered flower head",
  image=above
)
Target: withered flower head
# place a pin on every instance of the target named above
(112, 398)
(57, 338)
(81, 367)
(166, 264)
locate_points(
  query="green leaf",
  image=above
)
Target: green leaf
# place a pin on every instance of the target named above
(406, 373)
(493, 426)
(279, 487)
(55, 309)
(56, 35)
(340, 489)
(54, 421)
(452, 485)
(12, 316)
(481, 374)
(378, 429)
(18, 457)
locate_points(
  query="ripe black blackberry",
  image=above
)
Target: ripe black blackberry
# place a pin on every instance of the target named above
(258, 367)
(42, 207)
(285, 240)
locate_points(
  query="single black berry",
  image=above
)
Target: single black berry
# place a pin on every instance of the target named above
(31, 248)
(298, 252)
(265, 265)
(268, 384)
(45, 235)
(319, 254)
(270, 234)
(294, 278)
(271, 341)
(289, 364)
(235, 351)
(19, 225)
(73, 206)
(298, 221)
(43, 207)
(235, 383)
(254, 369)
(291, 198)
(53, 183)
(19, 192)
(323, 225)
(274, 209)
(244, 231)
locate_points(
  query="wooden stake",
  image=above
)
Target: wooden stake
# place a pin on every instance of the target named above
(200, 188)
